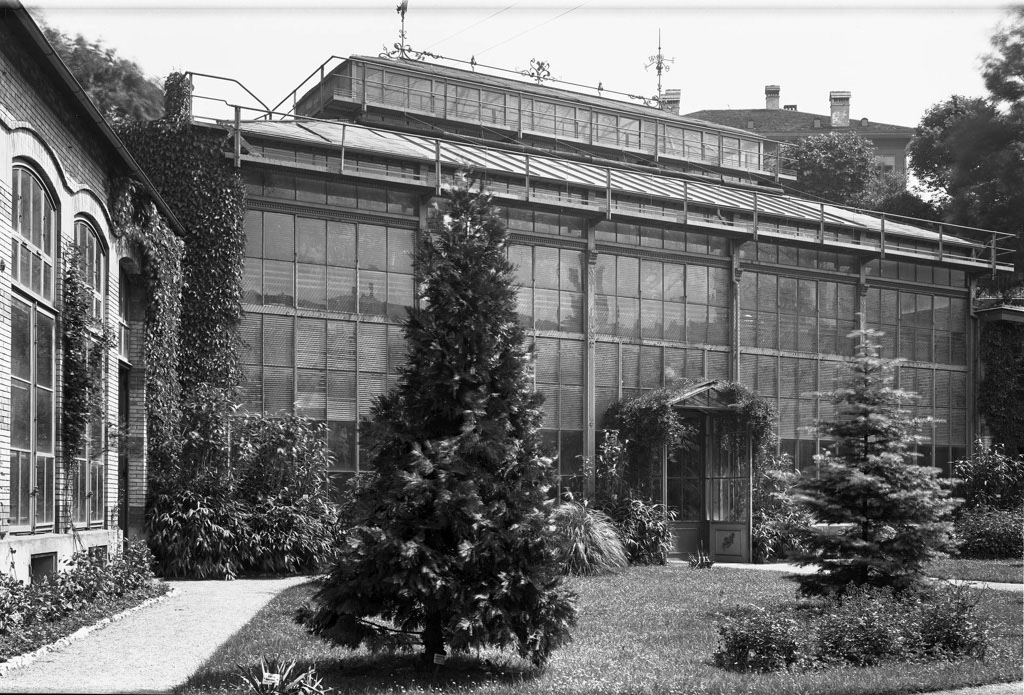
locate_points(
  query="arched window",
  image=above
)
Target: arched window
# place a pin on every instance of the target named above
(33, 473)
(93, 264)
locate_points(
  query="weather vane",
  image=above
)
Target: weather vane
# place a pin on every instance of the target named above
(660, 63)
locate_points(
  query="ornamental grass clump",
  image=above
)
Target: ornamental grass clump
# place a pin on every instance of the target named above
(587, 541)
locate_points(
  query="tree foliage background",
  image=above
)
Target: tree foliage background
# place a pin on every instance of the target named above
(115, 84)
(834, 167)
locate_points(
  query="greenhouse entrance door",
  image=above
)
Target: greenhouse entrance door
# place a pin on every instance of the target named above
(709, 487)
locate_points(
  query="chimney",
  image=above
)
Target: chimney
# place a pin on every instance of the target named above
(840, 102)
(771, 96)
(670, 102)
(789, 107)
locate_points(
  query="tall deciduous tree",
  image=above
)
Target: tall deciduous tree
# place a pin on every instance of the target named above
(115, 84)
(451, 543)
(891, 509)
(835, 167)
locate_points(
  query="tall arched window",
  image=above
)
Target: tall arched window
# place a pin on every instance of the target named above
(34, 220)
(88, 484)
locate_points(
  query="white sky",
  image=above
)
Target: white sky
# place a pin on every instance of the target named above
(897, 59)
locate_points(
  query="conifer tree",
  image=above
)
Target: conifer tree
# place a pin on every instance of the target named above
(451, 544)
(869, 481)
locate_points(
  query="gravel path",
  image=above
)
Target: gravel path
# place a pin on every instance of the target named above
(154, 649)
(797, 569)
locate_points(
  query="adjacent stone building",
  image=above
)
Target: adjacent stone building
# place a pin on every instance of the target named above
(58, 159)
(787, 124)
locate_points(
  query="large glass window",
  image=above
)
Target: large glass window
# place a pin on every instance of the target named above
(640, 298)
(34, 219)
(550, 287)
(32, 473)
(32, 416)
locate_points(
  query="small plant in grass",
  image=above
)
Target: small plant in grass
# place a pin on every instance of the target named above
(701, 560)
(990, 479)
(991, 534)
(777, 522)
(587, 540)
(893, 509)
(276, 675)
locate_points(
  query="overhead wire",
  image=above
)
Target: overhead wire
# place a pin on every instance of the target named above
(464, 29)
(538, 26)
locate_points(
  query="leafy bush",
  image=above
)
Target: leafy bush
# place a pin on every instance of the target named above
(777, 521)
(644, 529)
(269, 513)
(754, 639)
(587, 542)
(868, 626)
(990, 478)
(865, 626)
(86, 579)
(196, 533)
(990, 534)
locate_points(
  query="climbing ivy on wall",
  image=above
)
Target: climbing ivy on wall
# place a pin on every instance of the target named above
(648, 422)
(1001, 391)
(140, 226)
(86, 342)
(187, 165)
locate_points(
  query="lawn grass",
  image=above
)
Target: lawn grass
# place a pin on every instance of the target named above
(647, 630)
(1007, 571)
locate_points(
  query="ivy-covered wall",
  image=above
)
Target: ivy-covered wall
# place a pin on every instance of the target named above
(1001, 391)
(207, 195)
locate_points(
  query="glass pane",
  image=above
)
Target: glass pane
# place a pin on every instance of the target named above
(21, 415)
(341, 345)
(341, 289)
(372, 247)
(311, 240)
(278, 283)
(311, 286)
(44, 350)
(373, 292)
(628, 284)
(546, 309)
(570, 270)
(279, 236)
(21, 340)
(400, 250)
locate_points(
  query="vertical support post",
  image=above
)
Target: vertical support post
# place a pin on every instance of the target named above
(719, 148)
(527, 177)
(437, 167)
(755, 216)
(881, 237)
(608, 193)
(734, 310)
(590, 356)
(344, 130)
(973, 366)
(993, 255)
(821, 223)
(940, 241)
(686, 203)
(238, 137)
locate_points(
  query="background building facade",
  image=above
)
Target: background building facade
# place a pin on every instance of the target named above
(650, 248)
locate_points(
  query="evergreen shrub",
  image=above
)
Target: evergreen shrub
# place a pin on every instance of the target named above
(990, 479)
